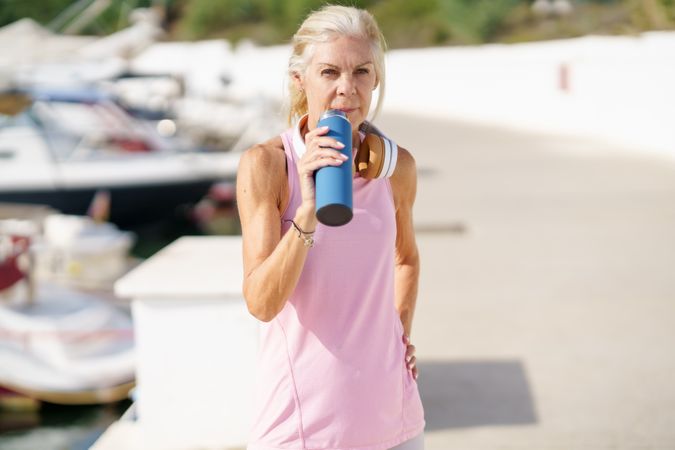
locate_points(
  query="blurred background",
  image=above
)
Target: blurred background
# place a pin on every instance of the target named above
(544, 139)
(405, 24)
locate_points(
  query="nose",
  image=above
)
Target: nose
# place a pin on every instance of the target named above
(346, 85)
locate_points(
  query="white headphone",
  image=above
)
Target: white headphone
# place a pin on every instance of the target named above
(377, 154)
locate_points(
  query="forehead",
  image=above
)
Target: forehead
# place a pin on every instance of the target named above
(342, 51)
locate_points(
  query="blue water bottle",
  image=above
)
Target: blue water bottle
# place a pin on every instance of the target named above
(334, 194)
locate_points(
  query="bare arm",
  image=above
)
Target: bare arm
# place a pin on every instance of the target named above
(272, 262)
(404, 186)
(407, 269)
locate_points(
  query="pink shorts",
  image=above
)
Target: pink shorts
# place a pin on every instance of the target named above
(416, 443)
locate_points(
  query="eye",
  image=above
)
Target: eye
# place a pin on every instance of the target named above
(329, 72)
(362, 71)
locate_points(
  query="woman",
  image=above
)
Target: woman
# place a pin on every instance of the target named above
(336, 367)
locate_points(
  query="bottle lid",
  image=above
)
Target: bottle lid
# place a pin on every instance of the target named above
(333, 112)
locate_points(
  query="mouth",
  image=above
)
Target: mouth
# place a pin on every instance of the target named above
(347, 110)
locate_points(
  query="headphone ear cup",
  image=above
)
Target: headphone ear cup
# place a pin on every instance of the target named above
(361, 159)
(370, 157)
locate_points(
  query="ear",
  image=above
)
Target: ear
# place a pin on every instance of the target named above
(297, 81)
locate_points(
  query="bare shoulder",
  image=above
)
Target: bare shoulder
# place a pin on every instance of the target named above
(404, 179)
(266, 157)
(405, 164)
(262, 171)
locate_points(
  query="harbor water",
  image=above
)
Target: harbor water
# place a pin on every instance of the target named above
(57, 427)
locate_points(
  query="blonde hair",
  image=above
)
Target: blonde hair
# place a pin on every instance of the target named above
(324, 25)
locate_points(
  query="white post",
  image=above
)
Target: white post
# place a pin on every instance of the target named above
(196, 345)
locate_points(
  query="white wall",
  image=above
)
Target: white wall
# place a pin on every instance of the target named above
(620, 89)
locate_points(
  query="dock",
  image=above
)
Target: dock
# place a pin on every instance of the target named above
(545, 308)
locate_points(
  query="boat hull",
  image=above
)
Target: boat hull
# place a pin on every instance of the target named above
(96, 396)
(129, 205)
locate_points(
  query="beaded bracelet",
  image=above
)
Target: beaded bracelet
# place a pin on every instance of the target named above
(306, 236)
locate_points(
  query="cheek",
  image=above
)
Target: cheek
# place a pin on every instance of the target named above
(325, 90)
(318, 94)
(367, 85)
(366, 92)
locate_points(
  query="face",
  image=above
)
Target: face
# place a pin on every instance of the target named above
(340, 75)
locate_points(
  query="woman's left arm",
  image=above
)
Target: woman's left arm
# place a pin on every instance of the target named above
(404, 186)
(407, 269)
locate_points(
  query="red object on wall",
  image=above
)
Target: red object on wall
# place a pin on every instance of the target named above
(564, 77)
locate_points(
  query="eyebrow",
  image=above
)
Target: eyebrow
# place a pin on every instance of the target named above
(337, 67)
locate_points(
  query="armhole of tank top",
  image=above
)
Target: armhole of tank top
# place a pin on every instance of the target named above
(387, 180)
(288, 147)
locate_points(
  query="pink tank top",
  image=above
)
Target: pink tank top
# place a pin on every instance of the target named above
(331, 368)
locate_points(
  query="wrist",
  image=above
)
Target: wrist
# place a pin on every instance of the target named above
(306, 236)
(305, 217)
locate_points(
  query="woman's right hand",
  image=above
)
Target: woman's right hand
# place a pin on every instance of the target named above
(320, 151)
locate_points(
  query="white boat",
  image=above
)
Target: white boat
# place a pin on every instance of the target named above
(78, 252)
(58, 344)
(63, 147)
(66, 347)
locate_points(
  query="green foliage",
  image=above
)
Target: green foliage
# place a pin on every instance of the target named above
(669, 7)
(651, 14)
(476, 21)
(405, 23)
(207, 17)
(410, 24)
(230, 18)
(43, 11)
(114, 18)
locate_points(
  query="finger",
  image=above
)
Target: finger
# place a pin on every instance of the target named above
(318, 131)
(328, 153)
(323, 155)
(406, 339)
(410, 351)
(415, 372)
(312, 166)
(323, 152)
(412, 363)
(323, 142)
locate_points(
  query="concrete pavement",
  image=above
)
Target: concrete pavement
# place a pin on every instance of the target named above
(546, 311)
